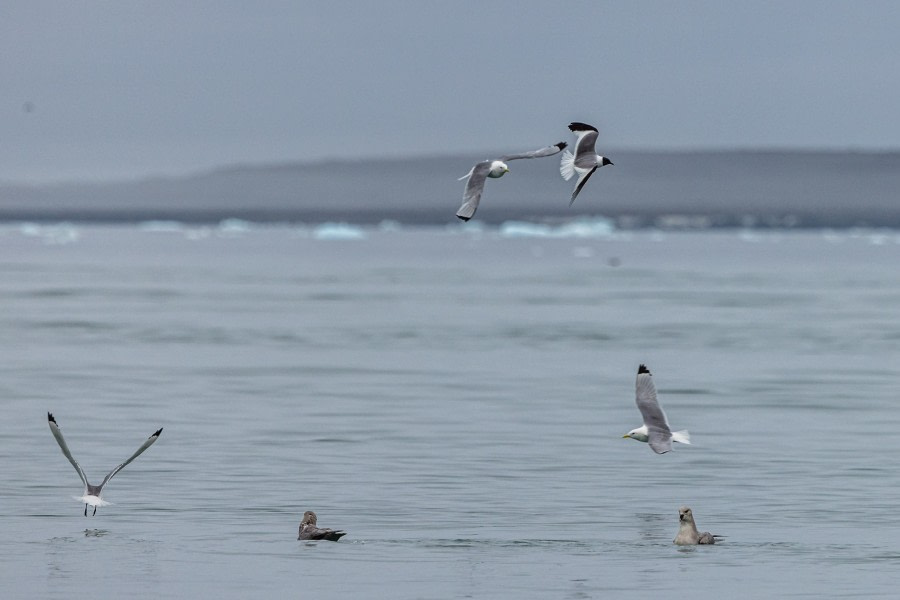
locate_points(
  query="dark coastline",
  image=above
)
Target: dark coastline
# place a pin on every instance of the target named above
(644, 189)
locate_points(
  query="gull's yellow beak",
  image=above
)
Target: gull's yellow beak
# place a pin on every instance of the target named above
(625, 436)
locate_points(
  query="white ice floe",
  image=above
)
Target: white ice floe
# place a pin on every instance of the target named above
(338, 231)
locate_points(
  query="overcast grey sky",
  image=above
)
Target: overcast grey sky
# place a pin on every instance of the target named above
(95, 90)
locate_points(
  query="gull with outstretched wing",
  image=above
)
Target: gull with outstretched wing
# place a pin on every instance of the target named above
(585, 160)
(494, 168)
(655, 429)
(91, 496)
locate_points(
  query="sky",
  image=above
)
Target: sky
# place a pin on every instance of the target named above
(93, 91)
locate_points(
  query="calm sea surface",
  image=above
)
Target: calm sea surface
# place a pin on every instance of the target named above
(455, 400)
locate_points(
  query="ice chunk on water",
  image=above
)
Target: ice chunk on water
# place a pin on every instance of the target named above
(338, 231)
(579, 228)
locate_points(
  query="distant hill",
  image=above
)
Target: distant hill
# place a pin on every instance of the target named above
(738, 188)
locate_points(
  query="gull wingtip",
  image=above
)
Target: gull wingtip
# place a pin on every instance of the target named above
(578, 126)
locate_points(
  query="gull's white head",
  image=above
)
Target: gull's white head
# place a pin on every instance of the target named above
(498, 169)
(640, 434)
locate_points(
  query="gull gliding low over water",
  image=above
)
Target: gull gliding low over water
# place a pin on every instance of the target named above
(92, 493)
(493, 169)
(655, 429)
(585, 160)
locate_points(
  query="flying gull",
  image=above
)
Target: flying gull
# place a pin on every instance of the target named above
(493, 169)
(585, 160)
(687, 530)
(656, 427)
(92, 493)
(309, 531)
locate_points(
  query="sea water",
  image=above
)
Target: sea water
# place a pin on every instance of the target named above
(455, 399)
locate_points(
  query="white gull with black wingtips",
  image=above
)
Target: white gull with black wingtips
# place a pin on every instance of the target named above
(494, 169)
(585, 160)
(91, 496)
(655, 429)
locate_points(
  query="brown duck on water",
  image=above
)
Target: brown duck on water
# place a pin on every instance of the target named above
(309, 531)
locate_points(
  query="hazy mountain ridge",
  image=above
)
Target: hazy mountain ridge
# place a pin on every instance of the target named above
(797, 188)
